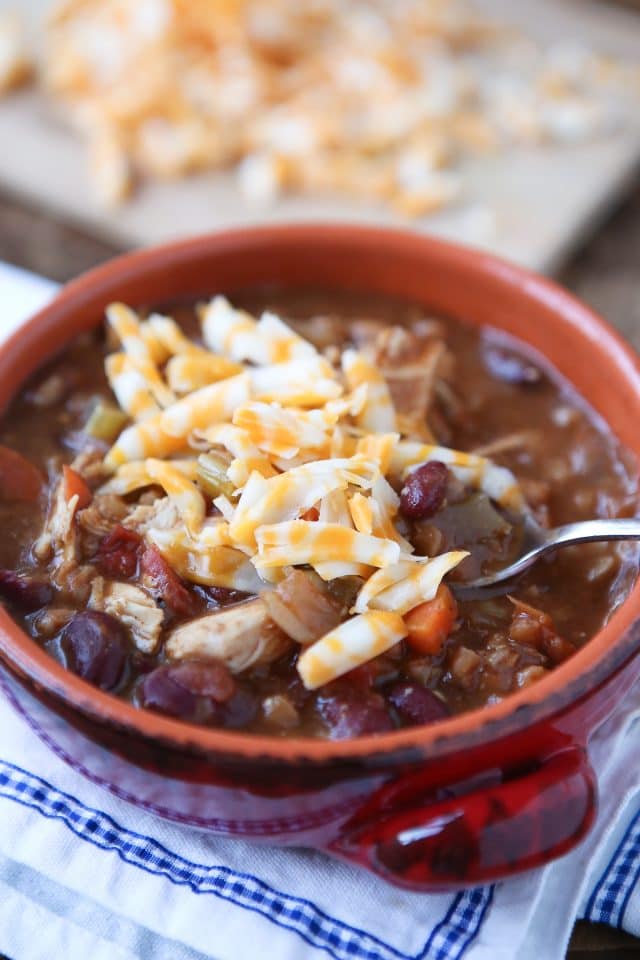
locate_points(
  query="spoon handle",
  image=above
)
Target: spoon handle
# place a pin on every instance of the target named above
(586, 531)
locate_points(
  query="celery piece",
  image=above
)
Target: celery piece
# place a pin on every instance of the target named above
(212, 475)
(105, 422)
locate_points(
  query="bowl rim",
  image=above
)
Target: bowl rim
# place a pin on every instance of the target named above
(567, 683)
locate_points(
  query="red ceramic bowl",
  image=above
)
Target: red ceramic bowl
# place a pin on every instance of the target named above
(468, 800)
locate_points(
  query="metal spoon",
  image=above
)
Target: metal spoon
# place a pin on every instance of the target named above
(537, 541)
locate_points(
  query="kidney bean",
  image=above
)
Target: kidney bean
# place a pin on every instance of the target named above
(95, 647)
(348, 714)
(205, 679)
(118, 553)
(197, 692)
(415, 704)
(241, 709)
(27, 593)
(424, 490)
(510, 367)
(159, 691)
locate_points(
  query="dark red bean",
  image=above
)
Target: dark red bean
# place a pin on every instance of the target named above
(424, 490)
(95, 647)
(415, 704)
(162, 579)
(510, 367)
(118, 553)
(205, 679)
(27, 593)
(159, 691)
(347, 715)
(142, 663)
(197, 692)
(240, 710)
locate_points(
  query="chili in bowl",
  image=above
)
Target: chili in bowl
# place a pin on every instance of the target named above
(236, 514)
(248, 522)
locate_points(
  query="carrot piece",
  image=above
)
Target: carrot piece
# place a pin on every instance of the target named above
(74, 484)
(19, 478)
(430, 623)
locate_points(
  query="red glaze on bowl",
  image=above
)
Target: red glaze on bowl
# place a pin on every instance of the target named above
(468, 800)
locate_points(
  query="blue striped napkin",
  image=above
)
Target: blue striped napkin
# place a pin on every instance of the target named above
(85, 874)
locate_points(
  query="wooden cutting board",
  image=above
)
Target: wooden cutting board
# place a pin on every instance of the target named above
(532, 206)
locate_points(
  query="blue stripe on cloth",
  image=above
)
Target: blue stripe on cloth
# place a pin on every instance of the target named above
(448, 940)
(610, 895)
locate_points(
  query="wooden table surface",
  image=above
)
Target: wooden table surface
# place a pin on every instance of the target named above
(606, 273)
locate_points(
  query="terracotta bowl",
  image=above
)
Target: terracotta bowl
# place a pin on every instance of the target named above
(468, 800)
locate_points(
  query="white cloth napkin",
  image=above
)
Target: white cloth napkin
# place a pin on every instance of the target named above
(85, 874)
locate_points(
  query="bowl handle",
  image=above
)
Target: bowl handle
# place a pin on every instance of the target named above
(477, 837)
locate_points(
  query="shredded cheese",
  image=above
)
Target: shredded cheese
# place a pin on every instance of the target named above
(307, 454)
(290, 494)
(313, 542)
(406, 584)
(173, 477)
(378, 414)
(348, 646)
(137, 385)
(211, 404)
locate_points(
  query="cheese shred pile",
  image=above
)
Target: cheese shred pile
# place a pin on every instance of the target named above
(385, 101)
(301, 457)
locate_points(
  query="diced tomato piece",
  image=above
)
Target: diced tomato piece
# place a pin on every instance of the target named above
(430, 623)
(74, 485)
(19, 478)
(118, 553)
(159, 575)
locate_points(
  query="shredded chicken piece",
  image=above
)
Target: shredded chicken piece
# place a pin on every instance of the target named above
(393, 345)
(412, 388)
(241, 636)
(89, 464)
(59, 535)
(412, 366)
(162, 514)
(105, 511)
(51, 390)
(59, 543)
(133, 607)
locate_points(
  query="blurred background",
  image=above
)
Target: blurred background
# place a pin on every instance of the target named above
(511, 126)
